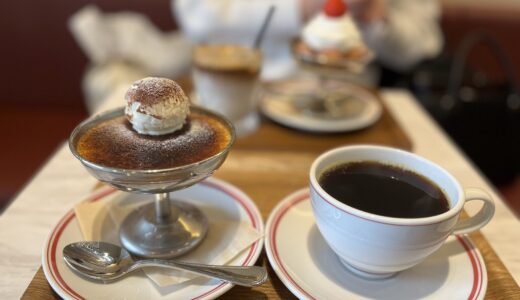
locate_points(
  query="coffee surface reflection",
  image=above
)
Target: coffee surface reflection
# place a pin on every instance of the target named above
(384, 190)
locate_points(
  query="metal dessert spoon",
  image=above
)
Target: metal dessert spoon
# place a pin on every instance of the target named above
(107, 262)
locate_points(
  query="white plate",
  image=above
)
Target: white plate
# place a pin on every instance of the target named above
(275, 105)
(308, 267)
(210, 194)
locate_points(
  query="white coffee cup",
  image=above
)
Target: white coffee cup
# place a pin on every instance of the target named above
(376, 246)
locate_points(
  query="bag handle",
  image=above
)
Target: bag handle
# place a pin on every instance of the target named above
(459, 65)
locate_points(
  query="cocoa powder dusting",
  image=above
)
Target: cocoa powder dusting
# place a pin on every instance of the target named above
(150, 91)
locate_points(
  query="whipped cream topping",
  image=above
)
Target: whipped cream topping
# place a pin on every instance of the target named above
(156, 106)
(324, 32)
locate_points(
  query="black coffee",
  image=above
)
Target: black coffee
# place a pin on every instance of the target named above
(384, 190)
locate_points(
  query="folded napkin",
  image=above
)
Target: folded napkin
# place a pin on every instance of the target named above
(227, 237)
(123, 47)
(130, 37)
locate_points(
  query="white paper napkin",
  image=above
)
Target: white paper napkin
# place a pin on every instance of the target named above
(226, 237)
(131, 37)
(123, 47)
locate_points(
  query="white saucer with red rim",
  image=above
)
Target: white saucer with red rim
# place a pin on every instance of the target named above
(212, 196)
(308, 267)
(278, 99)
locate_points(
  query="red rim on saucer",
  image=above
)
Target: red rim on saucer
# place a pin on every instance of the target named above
(52, 259)
(297, 207)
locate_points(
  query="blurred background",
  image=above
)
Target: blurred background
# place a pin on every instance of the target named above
(42, 68)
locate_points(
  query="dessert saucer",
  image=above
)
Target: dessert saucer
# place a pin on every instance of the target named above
(213, 196)
(308, 267)
(280, 100)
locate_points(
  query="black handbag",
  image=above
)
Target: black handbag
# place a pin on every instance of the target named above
(482, 118)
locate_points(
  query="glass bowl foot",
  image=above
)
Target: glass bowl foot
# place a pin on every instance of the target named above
(164, 229)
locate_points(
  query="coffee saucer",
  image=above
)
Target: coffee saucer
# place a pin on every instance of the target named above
(310, 270)
(291, 103)
(217, 198)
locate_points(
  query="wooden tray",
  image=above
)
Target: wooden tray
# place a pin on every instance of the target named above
(274, 162)
(272, 136)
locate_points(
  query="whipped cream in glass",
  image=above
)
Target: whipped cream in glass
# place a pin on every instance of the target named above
(325, 32)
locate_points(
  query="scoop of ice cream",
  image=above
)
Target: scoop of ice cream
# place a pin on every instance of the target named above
(332, 32)
(156, 106)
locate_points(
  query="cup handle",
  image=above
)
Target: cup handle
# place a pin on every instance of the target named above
(481, 218)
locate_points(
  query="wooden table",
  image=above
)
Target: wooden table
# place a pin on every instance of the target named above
(273, 162)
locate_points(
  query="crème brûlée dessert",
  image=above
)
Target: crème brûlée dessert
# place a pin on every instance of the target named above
(332, 38)
(159, 130)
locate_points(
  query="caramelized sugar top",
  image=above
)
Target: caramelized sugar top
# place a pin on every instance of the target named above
(115, 144)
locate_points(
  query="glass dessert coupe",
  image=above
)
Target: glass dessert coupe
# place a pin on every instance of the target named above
(330, 100)
(166, 228)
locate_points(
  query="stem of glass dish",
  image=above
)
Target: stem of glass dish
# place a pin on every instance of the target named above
(164, 211)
